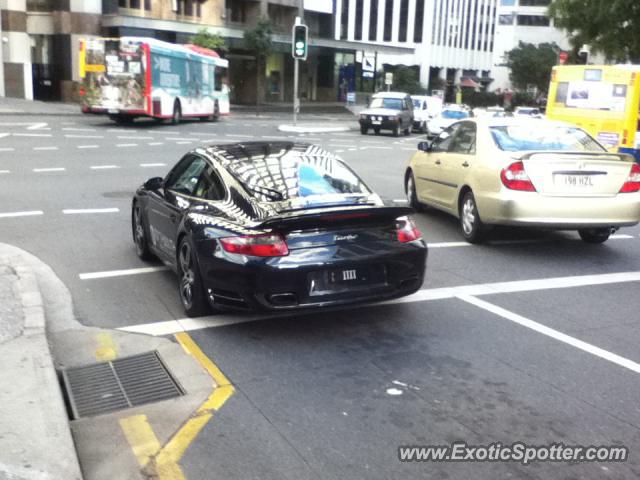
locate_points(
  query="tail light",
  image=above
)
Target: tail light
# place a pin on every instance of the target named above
(263, 245)
(515, 178)
(633, 181)
(82, 91)
(406, 230)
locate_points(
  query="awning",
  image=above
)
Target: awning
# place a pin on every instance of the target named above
(468, 82)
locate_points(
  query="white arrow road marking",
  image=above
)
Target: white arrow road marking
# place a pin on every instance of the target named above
(120, 273)
(80, 211)
(38, 126)
(52, 169)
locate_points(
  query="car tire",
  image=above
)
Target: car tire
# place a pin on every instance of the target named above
(139, 230)
(376, 130)
(407, 131)
(176, 118)
(190, 285)
(412, 196)
(363, 129)
(473, 229)
(396, 131)
(423, 128)
(594, 235)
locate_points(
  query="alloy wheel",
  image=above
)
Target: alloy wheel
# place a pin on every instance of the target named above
(468, 216)
(187, 275)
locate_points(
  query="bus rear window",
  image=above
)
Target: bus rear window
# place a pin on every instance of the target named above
(561, 92)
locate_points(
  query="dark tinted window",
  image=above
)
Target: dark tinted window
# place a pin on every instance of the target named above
(464, 140)
(442, 143)
(184, 177)
(210, 186)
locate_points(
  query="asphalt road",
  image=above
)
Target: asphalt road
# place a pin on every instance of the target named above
(530, 338)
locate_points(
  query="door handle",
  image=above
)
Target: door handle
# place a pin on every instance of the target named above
(465, 164)
(438, 162)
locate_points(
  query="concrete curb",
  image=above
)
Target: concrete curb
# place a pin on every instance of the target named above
(315, 128)
(36, 441)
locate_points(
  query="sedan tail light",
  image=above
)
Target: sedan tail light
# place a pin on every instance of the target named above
(406, 230)
(263, 245)
(632, 184)
(515, 178)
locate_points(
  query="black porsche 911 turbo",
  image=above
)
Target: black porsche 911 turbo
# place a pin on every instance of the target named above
(275, 226)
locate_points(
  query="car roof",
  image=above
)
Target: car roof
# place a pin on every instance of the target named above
(390, 95)
(532, 123)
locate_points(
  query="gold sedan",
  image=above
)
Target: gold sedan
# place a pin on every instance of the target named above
(525, 172)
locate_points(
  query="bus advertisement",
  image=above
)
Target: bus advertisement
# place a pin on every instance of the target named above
(603, 100)
(134, 77)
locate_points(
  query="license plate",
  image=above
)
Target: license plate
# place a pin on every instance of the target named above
(376, 122)
(346, 276)
(113, 110)
(337, 280)
(575, 181)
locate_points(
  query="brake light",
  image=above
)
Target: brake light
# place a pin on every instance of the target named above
(263, 245)
(82, 91)
(406, 230)
(633, 181)
(515, 178)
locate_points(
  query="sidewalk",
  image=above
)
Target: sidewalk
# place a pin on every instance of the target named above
(18, 106)
(35, 441)
(38, 441)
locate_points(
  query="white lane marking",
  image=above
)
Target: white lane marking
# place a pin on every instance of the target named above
(78, 129)
(74, 135)
(339, 151)
(120, 273)
(239, 136)
(134, 137)
(45, 148)
(7, 149)
(126, 144)
(550, 332)
(155, 143)
(620, 236)
(153, 164)
(21, 214)
(189, 324)
(38, 126)
(87, 146)
(448, 244)
(103, 167)
(334, 145)
(50, 169)
(400, 200)
(121, 130)
(32, 134)
(5, 171)
(179, 139)
(184, 142)
(80, 211)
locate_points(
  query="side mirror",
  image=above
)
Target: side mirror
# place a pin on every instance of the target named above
(424, 146)
(154, 184)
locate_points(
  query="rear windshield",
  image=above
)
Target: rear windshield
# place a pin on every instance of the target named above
(391, 103)
(312, 177)
(454, 114)
(517, 138)
(417, 103)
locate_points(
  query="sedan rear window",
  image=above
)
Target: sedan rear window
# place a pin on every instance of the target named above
(517, 138)
(454, 114)
(391, 103)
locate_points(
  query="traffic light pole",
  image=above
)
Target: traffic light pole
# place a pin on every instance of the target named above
(296, 101)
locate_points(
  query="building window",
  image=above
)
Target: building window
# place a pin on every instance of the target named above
(344, 20)
(188, 8)
(121, 3)
(134, 4)
(404, 20)
(533, 20)
(147, 4)
(535, 3)
(418, 24)
(359, 7)
(373, 21)
(198, 8)
(505, 19)
(238, 12)
(388, 19)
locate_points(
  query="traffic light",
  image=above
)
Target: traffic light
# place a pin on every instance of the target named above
(299, 47)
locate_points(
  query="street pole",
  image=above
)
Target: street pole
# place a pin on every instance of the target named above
(296, 67)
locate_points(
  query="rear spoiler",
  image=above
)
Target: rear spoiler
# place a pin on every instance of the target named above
(326, 217)
(602, 155)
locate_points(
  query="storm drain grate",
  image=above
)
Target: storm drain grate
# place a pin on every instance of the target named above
(119, 384)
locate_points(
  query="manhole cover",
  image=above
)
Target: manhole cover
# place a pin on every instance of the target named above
(123, 383)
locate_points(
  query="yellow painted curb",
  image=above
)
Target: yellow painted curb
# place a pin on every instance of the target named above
(163, 462)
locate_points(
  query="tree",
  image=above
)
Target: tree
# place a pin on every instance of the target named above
(531, 65)
(258, 40)
(406, 79)
(609, 27)
(213, 41)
